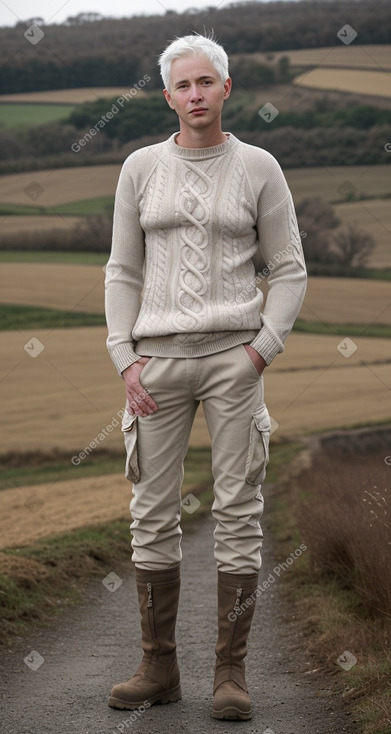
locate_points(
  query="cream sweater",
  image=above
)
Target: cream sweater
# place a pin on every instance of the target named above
(192, 227)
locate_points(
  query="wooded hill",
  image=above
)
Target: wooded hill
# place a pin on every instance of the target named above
(88, 51)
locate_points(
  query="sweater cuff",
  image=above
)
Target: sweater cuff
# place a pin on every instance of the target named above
(123, 356)
(267, 344)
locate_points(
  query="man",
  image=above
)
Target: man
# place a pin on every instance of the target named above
(195, 217)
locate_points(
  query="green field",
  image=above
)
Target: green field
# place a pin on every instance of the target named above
(28, 115)
(74, 258)
(14, 316)
(83, 207)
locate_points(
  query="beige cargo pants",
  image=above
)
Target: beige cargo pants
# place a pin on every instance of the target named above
(231, 391)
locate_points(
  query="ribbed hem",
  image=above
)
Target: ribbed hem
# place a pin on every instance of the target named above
(198, 154)
(161, 346)
(123, 356)
(267, 344)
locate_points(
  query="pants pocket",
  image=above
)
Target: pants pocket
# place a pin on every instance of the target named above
(129, 430)
(258, 450)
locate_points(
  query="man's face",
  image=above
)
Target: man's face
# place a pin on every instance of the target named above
(197, 91)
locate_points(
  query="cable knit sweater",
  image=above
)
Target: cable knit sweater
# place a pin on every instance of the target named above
(192, 228)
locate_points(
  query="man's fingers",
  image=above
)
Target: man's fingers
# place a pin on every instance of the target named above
(139, 401)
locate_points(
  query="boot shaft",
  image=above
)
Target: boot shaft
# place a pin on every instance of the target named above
(236, 596)
(158, 597)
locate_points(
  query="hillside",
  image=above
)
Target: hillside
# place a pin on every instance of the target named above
(124, 50)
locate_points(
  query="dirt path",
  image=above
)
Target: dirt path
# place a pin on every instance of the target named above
(95, 645)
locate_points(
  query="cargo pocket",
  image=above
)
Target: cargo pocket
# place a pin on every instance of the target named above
(129, 429)
(258, 450)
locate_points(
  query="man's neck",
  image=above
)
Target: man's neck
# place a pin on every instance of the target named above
(189, 138)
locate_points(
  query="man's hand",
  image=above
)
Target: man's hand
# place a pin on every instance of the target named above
(138, 401)
(258, 361)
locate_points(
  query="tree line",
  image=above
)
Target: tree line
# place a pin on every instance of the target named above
(329, 132)
(88, 50)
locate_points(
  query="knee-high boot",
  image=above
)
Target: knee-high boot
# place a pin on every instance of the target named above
(157, 678)
(236, 601)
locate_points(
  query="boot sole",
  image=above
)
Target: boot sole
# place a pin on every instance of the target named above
(230, 713)
(171, 696)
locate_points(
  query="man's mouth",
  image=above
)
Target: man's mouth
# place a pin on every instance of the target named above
(198, 109)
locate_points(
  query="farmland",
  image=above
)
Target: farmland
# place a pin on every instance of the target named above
(351, 56)
(58, 401)
(70, 184)
(13, 116)
(347, 80)
(61, 399)
(64, 96)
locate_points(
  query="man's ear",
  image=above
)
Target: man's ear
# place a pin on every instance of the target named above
(227, 87)
(168, 98)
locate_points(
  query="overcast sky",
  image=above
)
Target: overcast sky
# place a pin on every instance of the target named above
(56, 11)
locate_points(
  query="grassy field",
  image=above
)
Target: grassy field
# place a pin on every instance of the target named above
(81, 207)
(67, 258)
(71, 287)
(368, 181)
(353, 56)
(66, 96)
(13, 224)
(375, 83)
(373, 215)
(61, 286)
(34, 317)
(67, 185)
(50, 188)
(80, 501)
(60, 399)
(14, 116)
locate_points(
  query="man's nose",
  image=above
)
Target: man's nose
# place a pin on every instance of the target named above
(196, 94)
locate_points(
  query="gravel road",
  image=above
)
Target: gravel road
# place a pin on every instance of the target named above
(63, 686)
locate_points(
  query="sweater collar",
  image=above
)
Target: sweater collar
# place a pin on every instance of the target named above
(198, 154)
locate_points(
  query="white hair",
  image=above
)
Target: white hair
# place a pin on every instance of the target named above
(195, 44)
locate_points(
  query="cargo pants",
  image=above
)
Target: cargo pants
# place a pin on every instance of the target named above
(232, 394)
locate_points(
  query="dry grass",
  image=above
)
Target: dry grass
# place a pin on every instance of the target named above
(347, 301)
(67, 287)
(62, 398)
(36, 223)
(65, 185)
(359, 57)
(343, 515)
(335, 500)
(67, 96)
(30, 513)
(61, 185)
(371, 181)
(375, 83)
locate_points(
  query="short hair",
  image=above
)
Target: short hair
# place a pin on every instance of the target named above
(195, 44)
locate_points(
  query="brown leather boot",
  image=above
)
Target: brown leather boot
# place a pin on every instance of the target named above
(236, 596)
(157, 678)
